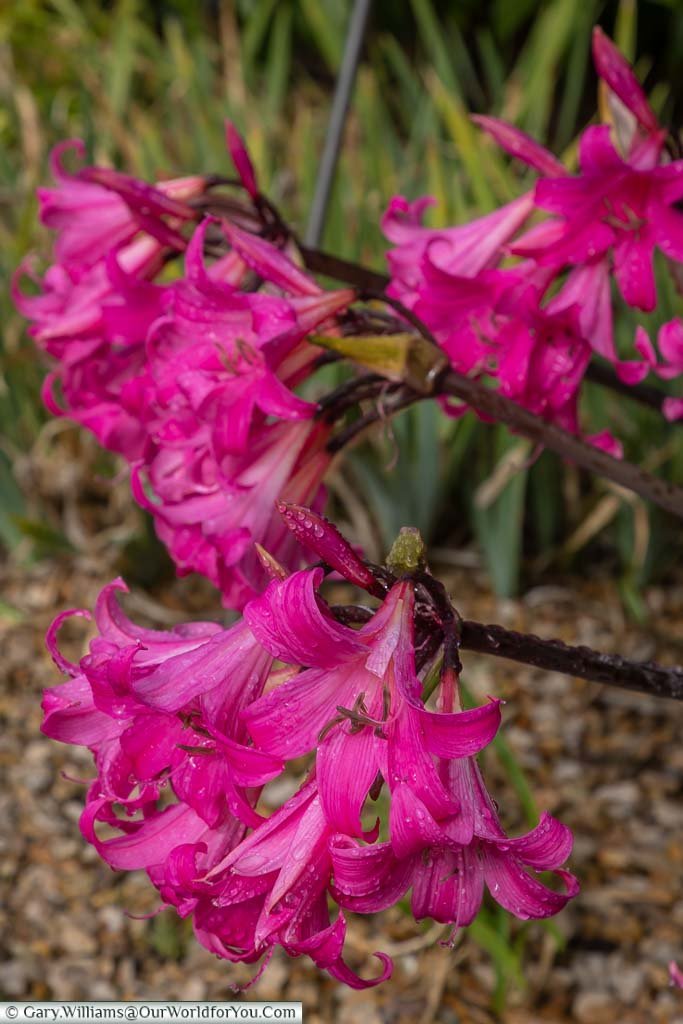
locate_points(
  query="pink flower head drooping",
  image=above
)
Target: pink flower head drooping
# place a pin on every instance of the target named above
(358, 703)
(200, 713)
(162, 709)
(97, 209)
(227, 434)
(448, 862)
(273, 889)
(447, 875)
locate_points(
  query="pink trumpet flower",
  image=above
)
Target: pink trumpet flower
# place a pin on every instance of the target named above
(611, 207)
(448, 862)
(358, 703)
(97, 209)
(158, 707)
(272, 889)
(158, 710)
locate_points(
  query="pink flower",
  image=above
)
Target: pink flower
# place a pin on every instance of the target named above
(447, 862)
(447, 876)
(613, 207)
(464, 250)
(158, 710)
(210, 516)
(96, 210)
(227, 436)
(670, 343)
(675, 974)
(160, 707)
(272, 889)
(358, 703)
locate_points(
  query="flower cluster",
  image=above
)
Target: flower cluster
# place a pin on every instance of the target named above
(532, 324)
(189, 378)
(188, 726)
(192, 378)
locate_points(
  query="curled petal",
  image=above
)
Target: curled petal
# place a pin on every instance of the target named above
(461, 734)
(545, 847)
(325, 949)
(70, 715)
(114, 624)
(517, 891)
(290, 621)
(150, 843)
(368, 878)
(60, 661)
(57, 152)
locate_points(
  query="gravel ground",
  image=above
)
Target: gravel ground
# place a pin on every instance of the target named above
(607, 762)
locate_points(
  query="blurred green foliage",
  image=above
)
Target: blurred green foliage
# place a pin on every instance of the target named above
(148, 85)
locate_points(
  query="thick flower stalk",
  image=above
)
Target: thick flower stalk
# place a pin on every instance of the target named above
(187, 727)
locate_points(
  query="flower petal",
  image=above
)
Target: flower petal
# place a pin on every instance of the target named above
(240, 158)
(517, 891)
(325, 949)
(288, 721)
(449, 886)
(346, 768)
(463, 733)
(545, 847)
(518, 144)
(149, 844)
(411, 825)
(291, 622)
(368, 878)
(633, 270)
(618, 74)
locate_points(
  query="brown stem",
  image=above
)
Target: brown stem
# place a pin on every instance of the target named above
(384, 409)
(551, 655)
(604, 375)
(581, 662)
(667, 495)
(503, 410)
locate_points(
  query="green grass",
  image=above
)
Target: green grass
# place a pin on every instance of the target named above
(150, 94)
